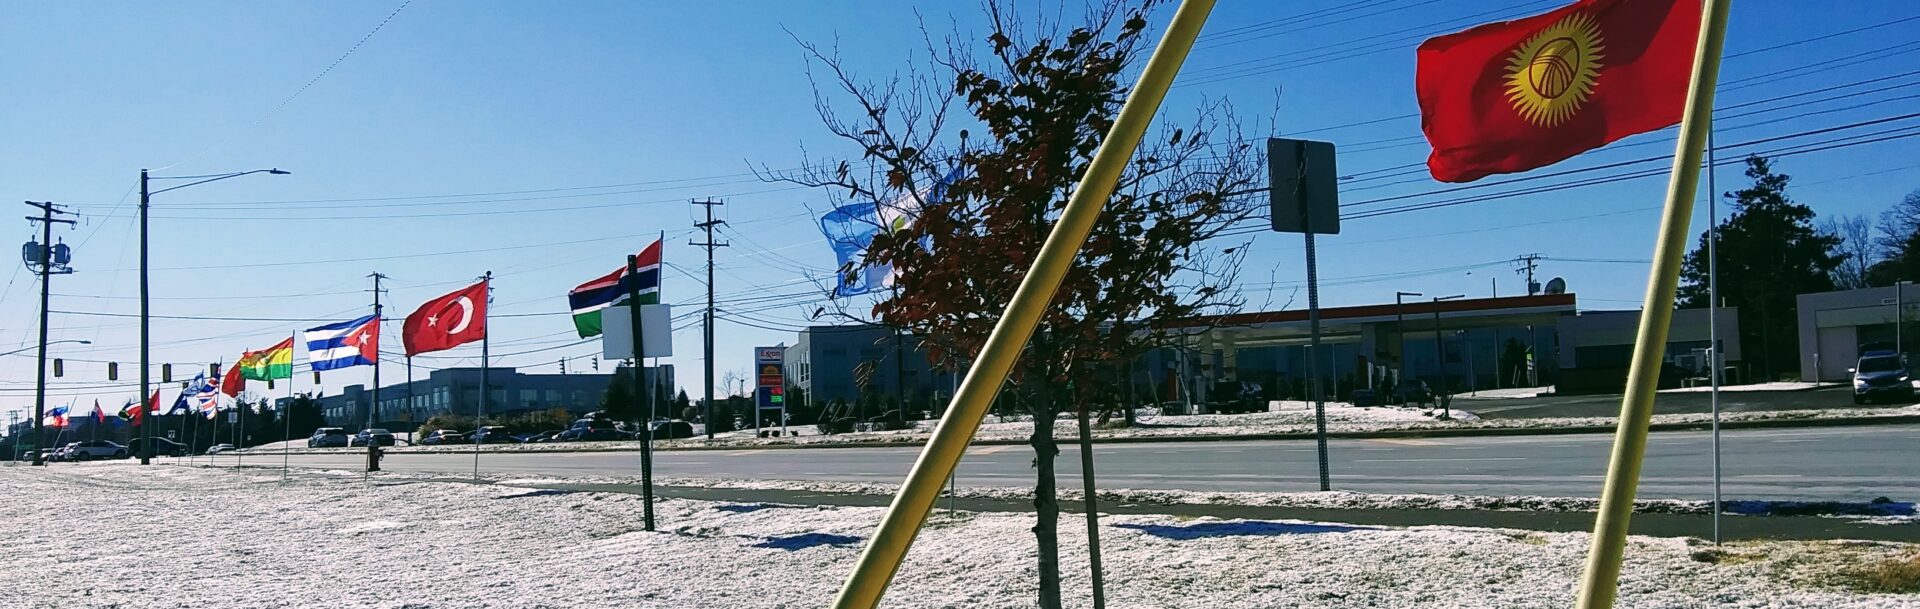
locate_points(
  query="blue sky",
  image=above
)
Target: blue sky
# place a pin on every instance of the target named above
(616, 114)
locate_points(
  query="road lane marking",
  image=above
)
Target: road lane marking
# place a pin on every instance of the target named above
(1441, 459)
(1406, 442)
(997, 448)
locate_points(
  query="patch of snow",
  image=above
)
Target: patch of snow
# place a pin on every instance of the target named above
(1773, 386)
(465, 545)
(1505, 394)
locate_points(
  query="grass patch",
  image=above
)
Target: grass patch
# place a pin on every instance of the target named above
(1898, 575)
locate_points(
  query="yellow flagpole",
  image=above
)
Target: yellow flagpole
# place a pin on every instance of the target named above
(890, 542)
(1602, 578)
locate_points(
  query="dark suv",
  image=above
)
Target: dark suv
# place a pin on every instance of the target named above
(591, 430)
(328, 437)
(379, 437)
(1881, 376)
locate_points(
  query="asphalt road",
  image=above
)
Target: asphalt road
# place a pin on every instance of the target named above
(1831, 463)
(1607, 405)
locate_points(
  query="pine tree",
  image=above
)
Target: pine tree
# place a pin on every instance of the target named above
(1770, 253)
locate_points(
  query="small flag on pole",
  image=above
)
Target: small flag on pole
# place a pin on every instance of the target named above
(275, 362)
(589, 298)
(348, 343)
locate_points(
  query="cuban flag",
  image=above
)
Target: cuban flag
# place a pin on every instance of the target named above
(349, 343)
(55, 417)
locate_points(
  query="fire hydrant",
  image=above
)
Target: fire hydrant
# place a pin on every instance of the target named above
(373, 456)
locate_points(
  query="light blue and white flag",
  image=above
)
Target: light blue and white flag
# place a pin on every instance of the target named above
(850, 229)
(348, 343)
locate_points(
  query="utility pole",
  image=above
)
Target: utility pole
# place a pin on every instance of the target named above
(146, 336)
(1527, 263)
(709, 244)
(45, 261)
(373, 407)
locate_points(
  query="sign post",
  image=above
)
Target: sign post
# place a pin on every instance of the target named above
(1305, 199)
(770, 385)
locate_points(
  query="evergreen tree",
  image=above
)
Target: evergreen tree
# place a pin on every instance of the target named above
(1770, 253)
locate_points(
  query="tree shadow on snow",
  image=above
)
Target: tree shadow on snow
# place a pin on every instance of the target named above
(806, 540)
(1257, 528)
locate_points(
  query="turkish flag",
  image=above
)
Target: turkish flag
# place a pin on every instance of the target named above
(1516, 95)
(447, 322)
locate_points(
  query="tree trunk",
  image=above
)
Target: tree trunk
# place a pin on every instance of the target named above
(1046, 502)
(1093, 513)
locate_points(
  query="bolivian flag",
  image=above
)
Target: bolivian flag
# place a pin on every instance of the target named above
(275, 362)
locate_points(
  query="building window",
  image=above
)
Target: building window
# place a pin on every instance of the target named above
(530, 398)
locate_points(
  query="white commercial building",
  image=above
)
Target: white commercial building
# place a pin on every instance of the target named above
(1836, 327)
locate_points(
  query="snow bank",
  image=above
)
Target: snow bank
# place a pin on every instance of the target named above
(237, 540)
(1773, 386)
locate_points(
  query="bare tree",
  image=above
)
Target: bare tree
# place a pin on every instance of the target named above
(1859, 249)
(960, 218)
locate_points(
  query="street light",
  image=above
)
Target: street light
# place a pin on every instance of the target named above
(1899, 315)
(1440, 361)
(50, 343)
(146, 317)
(1399, 342)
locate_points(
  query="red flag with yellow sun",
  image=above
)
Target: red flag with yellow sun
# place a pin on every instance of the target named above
(1516, 95)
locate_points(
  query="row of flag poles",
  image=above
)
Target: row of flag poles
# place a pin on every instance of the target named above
(451, 320)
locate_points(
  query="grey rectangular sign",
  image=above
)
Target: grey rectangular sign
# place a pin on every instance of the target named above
(1305, 190)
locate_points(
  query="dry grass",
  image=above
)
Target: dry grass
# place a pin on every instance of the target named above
(1897, 575)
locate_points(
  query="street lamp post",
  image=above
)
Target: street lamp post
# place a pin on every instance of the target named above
(146, 317)
(63, 341)
(1399, 341)
(1440, 360)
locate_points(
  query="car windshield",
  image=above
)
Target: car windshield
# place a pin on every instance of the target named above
(1879, 364)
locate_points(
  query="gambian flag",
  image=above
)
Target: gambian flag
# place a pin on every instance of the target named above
(613, 288)
(275, 362)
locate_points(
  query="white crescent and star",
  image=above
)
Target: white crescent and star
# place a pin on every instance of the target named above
(466, 315)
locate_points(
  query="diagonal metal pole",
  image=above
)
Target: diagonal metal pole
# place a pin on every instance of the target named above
(1601, 580)
(890, 542)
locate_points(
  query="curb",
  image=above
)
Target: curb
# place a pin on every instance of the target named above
(1350, 435)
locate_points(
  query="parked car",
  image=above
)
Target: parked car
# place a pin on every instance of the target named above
(443, 436)
(62, 452)
(328, 437)
(380, 437)
(219, 448)
(493, 434)
(1881, 377)
(668, 430)
(162, 447)
(591, 429)
(95, 449)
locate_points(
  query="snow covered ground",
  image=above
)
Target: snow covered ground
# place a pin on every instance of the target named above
(1341, 418)
(175, 537)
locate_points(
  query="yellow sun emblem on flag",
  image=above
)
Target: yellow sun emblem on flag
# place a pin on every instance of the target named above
(1551, 74)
